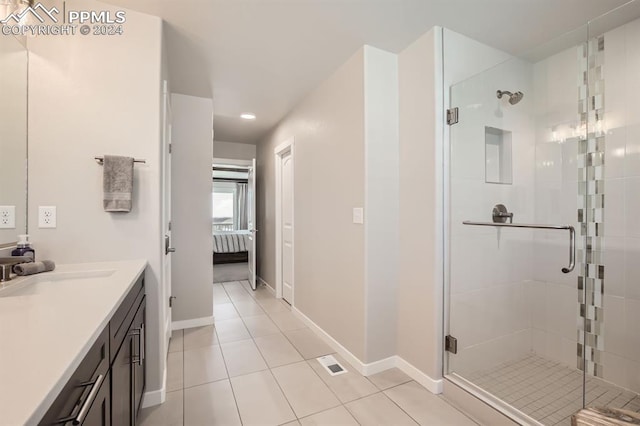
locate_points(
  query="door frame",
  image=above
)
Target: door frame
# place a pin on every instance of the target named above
(166, 290)
(279, 151)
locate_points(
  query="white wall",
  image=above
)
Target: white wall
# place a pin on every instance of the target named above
(13, 134)
(346, 154)
(91, 96)
(234, 151)
(192, 150)
(419, 290)
(381, 244)
(328, 127)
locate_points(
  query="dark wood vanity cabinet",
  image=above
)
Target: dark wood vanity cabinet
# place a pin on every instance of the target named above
(108, 385)
(128, 371)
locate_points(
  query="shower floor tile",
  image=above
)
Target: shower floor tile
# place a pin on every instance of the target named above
(549, 391)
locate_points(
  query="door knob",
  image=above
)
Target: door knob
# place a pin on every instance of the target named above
(171, 250)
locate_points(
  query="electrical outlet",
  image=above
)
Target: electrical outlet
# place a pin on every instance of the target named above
(47, 217)
(7, 217)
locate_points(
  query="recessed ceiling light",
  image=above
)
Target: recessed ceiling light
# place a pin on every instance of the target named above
(248, 116)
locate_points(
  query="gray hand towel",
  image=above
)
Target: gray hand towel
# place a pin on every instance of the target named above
(117, 183)
(34, 267)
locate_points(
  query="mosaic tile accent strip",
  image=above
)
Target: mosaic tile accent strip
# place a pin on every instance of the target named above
(591, 206)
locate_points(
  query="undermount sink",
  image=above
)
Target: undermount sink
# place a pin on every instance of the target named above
(51, 282)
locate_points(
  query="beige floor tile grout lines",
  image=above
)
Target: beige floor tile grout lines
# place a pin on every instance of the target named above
(263, 358)
(303, 360)
(224, 361)
(319, 378)
(306, 361)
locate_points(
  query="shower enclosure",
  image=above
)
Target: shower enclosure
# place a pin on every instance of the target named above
(542, 321)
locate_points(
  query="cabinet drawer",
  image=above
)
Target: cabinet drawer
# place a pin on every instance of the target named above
(124, 315)
(83, 384)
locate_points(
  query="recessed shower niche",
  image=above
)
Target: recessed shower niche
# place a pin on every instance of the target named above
(497, 151)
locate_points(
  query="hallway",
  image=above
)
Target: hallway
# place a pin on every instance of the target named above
(257, 366)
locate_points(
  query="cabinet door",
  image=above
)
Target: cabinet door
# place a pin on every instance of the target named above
(122, 384)
(139, 359)
(100, 412)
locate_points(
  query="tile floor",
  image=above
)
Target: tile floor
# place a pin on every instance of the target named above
(549, 391)
(257, 367)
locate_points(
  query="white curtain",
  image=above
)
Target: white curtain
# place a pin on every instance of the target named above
(241, 207)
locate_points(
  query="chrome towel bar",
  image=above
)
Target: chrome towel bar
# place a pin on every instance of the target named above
(571, 229)
(100, 160)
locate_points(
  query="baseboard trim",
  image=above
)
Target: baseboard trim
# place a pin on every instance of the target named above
(266, 284)
(156, 397)
(335, 345)
(433, 385)
(367, 369)
(196, 322)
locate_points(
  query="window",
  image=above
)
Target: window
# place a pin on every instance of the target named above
(224, 206)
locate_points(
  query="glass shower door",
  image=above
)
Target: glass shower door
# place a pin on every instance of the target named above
(549, 138)
(513, 298)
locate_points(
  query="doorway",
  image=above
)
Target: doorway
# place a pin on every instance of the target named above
(233, 220)
(284, 160)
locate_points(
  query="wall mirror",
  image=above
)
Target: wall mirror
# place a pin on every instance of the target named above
(13, 139)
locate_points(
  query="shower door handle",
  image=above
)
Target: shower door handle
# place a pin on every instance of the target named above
(571, 229)
(572, 251)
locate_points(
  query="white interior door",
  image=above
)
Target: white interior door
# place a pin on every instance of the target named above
(287, 227)
(166, 210)
(251, 221)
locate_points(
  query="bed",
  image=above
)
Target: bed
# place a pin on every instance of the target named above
(230, 247)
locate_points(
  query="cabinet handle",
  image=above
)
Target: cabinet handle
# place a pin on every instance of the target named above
(142, 343)
(140, 333)
(95, 387)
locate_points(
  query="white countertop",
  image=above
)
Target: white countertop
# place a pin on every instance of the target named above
(45, 335)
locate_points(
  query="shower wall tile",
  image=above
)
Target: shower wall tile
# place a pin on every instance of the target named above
(622, 371)
(536, 296)
(615, 370)
(632, 320)
(492, 353)
(614, 219)
(615, 57)
(614, 262)
(632, 83)
(555, 347)
(614, 326)
(569, 161)
(615, 152)
(562, 310)
(550, 256)
(489, 313)
(632, 206)
(632, 270)
(632, 138)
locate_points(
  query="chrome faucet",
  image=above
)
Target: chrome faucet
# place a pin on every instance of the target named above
(7, 264)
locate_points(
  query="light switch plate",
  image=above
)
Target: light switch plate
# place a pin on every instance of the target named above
(7, 217)
(358, 215)
(47, 217)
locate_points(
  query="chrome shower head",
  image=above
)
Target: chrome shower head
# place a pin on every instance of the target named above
(514, 98)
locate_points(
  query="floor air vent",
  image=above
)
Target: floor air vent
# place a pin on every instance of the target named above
(332, 365)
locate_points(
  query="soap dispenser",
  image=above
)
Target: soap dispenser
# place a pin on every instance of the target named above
(24, 248)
